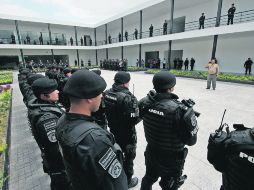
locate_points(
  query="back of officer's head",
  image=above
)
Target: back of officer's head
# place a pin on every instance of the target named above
(33, 77)
(44, 87)
(85, 85)
(122, 78)
(163, 81)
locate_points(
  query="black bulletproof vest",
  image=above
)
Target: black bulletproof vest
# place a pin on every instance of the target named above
(114, 107)
(239, 173)
(38, 111)
(160, 126)
(69, 134)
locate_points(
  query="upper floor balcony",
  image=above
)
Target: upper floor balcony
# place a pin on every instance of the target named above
(42, 40)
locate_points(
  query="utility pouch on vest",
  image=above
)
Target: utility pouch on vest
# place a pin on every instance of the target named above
(216, 150)
(190, 122)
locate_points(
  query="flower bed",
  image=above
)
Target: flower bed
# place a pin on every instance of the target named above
(6, 77)
(5, 102)
(203, 75)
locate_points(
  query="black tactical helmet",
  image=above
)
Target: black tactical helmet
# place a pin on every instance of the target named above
(164, 80)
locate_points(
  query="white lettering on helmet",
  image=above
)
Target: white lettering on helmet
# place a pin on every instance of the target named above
(156, 112)
(250, 158)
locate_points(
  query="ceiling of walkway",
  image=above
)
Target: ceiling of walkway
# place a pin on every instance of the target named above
(81, 11)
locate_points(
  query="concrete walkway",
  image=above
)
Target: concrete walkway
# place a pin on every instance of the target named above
(25, 163)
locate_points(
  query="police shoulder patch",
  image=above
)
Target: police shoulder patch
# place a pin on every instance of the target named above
(107, 159)
(115, 169)
(52, 136)
(50, 130)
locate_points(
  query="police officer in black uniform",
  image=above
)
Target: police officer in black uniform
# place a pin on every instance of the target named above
(165, 27)
(169, 125)
(151, 31)
(136, 33)
(202, 21)
(247, 65)
(192, 63)
(100, 115)
(43, 114)
(123, 114)
(120, 37)
(231, 153)
(63, 99)
(93, 161)
(231, 14)
(126, 35)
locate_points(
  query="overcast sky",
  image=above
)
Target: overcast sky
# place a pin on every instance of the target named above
(83, 11)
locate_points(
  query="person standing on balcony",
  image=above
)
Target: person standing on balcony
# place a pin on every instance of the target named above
(120, 37)
(41, 39)
(165, 27)
(248, 65)
(71, 40)
(91, 42)
(231, 14)
(126, 35)
(213, 71)
(202, 21)
(109, 39)
(28, 39)
(136, 33)
(13, 41)
(56, 39)
(81, 41)
(151, 31)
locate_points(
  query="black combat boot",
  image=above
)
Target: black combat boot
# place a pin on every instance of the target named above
(132, 182)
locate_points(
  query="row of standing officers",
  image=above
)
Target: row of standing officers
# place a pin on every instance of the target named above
(90, 156)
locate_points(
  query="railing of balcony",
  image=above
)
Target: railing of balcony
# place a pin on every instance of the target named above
(239, 17)
(8, 37)
(42, 38)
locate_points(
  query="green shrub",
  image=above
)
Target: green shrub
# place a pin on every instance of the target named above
(203, 74)
(6, 77)
(133, 68)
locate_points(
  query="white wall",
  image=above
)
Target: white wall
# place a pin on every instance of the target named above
(201, 52)
(8, 25)
(193, 13)
(85, 31)
(13, 52)
(131, 22)
(114, 28)
(86, 55)
(67, 30)
(71, 53)
(233, 50)
(100, 33)
(114, 53)
(132, 54)
(241, 5)
(199, 48)
(101, 54)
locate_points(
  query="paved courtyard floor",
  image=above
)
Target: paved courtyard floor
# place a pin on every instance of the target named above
(25, 162)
